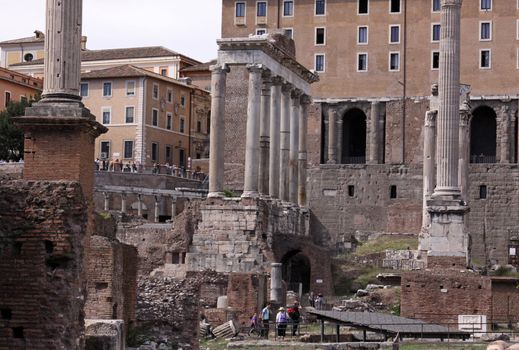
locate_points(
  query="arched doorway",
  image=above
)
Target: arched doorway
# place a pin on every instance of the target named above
(354, 137)
(296, 270)
(483, 135)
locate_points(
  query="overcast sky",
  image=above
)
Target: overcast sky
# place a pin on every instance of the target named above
(190, 27)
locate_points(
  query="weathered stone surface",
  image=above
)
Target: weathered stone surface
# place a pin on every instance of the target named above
(42, 288)
(105, 335)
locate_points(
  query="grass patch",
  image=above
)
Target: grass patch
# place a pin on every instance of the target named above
(382, 243)
(213, 344)
(442, 347)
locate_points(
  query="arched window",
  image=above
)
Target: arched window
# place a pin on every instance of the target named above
(483, 135)
(354, 137)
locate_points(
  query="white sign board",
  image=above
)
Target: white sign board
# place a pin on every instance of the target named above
(473, 323)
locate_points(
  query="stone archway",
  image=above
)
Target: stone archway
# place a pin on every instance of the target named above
(296, 269)
(354, 137)
(483, 135)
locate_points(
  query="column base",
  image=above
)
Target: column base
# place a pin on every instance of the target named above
(215, 195)
(59, 143)
(446, 193)
(446, 235)
(250, 194)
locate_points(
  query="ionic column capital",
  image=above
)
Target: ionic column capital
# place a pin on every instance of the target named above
(277, 80)
(451, 3)
(305, 99)
(295, 95)
(287, 88)
(219, 68)
(256, 68)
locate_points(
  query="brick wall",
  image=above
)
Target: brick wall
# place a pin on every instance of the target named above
(505, 300)
(41, 264)
(112, 275)
(439, 296)
(247, 293)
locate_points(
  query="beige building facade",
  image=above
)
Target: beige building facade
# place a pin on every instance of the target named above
(152, 119)
(386, 48)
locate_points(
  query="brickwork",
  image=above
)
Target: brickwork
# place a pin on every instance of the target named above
(235, 124)
(370, 209)
(440, 296)
(41, 264)
(247, 293)
(505, 300)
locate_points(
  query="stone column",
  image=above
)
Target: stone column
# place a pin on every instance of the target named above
(173, 207)
(250, 186)
(284, 143)
(264, 163)
(463, 172)
(447, 143)
(139, 205)
(217, 133)
(294, 145)
(340, 134)
(157, 208)
(276, 283)
(303, 131)
(275, 120)
(428, 162)
(374, 137)
(123, 203)
(107, 201)
(62, 65)
(332, 135)
(505, 135)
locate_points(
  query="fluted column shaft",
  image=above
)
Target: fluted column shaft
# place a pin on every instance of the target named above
(157, 209)
(62, 66)
(107, 201)
(373, 155)
(250, 186)
(173, 207)
(264, 138)
(447, 147)
(275, 120)
(294, 146)
(284, 142)
(429, 142)
(463, 172)
(139, 205)
(303, 131)
(332, 135)
(217, 133)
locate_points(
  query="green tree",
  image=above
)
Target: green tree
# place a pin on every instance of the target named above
(11, 137)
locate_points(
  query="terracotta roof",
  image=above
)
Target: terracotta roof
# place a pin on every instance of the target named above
(127, 71)
(28, 40)
(200, 67)
(120, 54)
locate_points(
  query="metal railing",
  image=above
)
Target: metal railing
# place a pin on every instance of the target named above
(155, 170)
(482, 159)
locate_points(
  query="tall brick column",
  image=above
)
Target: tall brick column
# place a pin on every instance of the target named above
(250, 187)
(275, 120)
(264, 136)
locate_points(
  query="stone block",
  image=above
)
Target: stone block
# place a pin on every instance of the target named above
(105, 335)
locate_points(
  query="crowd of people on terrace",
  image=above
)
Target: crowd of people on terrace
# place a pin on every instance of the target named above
(158, 169)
